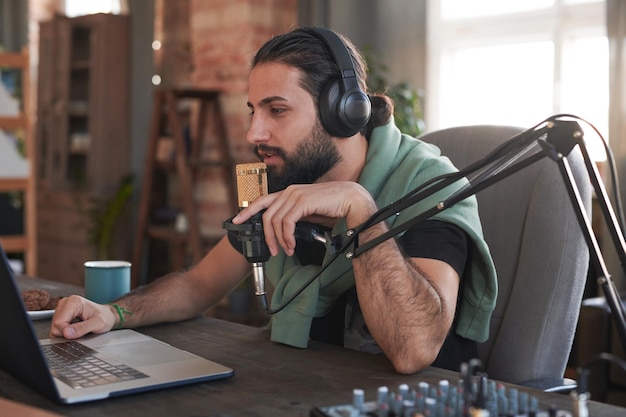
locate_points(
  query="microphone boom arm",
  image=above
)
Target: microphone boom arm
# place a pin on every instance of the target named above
(556, 141)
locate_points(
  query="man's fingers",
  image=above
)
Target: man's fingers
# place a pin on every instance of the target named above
(77, 316)
(76, 330)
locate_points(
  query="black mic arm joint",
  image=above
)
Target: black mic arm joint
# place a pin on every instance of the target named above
(311, 232)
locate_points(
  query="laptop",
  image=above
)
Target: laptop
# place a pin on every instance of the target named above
(136, 362)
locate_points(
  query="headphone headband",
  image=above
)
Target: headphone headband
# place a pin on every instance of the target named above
(337, 49)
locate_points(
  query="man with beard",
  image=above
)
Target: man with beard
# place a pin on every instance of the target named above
(423, 298)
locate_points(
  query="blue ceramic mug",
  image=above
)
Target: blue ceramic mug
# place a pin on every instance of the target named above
(106, 281)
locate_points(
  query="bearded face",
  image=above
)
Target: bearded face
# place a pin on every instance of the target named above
(313, 157)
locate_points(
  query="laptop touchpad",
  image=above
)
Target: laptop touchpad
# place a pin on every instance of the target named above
(144, 353)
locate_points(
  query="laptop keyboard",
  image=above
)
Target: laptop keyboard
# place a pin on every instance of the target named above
(78, 366)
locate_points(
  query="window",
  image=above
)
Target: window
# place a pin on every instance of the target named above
(75, 8)
(517, 62)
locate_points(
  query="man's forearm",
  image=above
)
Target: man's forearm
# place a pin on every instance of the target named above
(168, 299)
(404, 309)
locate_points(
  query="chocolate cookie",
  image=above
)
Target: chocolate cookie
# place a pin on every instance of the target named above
(35, 300)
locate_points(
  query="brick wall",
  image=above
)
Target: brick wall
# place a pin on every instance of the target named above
(224, 36)
(209, 44)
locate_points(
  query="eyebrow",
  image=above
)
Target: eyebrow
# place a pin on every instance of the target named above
(267, 101)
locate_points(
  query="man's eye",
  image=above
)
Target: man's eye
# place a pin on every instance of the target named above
(277, 110)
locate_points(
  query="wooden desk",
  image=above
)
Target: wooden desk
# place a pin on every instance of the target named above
(270, 379)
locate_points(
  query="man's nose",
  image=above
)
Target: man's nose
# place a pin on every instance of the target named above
(257, 132)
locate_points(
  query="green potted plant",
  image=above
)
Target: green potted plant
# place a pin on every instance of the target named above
(102, 217)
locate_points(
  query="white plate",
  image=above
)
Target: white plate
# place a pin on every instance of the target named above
(40, 315)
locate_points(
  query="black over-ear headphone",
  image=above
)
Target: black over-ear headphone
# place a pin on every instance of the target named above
(344, 108)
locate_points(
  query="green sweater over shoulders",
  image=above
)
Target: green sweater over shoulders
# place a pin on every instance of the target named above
(395, 165)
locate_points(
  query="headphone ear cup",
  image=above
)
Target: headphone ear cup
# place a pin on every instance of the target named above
(343, 113)
(328, 99)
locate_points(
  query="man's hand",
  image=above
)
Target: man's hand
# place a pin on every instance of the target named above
(76, 316)
(321, 203)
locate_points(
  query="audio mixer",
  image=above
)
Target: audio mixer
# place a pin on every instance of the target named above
(471, 395)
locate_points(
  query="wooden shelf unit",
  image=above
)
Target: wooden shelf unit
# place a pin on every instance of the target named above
(83, 139)
(25, 243)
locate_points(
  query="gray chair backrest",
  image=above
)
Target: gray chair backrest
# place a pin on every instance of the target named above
(539, 251)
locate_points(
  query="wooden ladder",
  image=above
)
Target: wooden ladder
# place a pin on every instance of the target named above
(186, 245)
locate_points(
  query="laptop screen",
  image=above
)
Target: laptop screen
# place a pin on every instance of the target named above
(20, 351)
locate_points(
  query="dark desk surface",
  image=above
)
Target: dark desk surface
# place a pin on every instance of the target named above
(270, 379)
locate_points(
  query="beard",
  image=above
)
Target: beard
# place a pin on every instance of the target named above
(314, 156)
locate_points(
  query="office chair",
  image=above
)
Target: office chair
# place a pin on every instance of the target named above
(540, 255)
